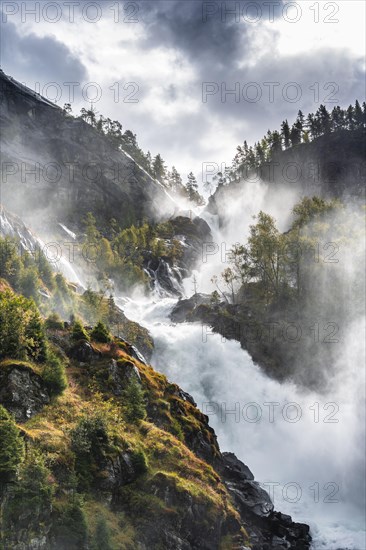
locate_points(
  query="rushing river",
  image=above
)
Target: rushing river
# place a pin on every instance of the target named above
(307, 450)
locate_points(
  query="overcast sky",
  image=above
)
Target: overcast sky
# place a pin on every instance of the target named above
(162, 67)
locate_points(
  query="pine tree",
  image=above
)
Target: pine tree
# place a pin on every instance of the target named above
(275, 143)
(192, 190)
(358, 115)
(129, 140)
(78, 332)
(312, 126)
(175, 180)
(54, 374)
(285, 132)
(100, 333)
(90, 228)
(134, 401)
(300, 121)
(324, 119)
(350, 118)
(158, 168)
(337, 119)
(21, 329)
(149, 162)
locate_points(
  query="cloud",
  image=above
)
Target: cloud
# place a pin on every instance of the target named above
(206, 32)
(172, 51)
(45, 59)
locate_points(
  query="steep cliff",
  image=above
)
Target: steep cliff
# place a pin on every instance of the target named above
(61, 167)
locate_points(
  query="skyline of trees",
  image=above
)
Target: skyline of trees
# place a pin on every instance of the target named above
(248, 157)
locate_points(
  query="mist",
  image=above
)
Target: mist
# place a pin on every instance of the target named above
(306, 446)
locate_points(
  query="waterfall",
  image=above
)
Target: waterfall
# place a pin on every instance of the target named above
(304, 448)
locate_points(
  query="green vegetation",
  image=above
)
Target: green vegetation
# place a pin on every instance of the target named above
(54, 322)
(139, 462)
(79, 332)
(12, 446)
(100, 333)
(102, 537)
(32, 276)
(54, 374)
(277, 263)
(23, 337)
(90, 441)
(32, 493)
(22, 333)
(26, 273)
(70, 528)
(90, 444)
(284, 296)
(134, 401)
(123, 254)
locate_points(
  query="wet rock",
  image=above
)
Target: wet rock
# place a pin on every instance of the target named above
(22, 391)
(235, 470)
(251, 498)
(184, 308)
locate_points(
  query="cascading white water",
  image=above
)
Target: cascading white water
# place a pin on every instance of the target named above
(307, 449)
(312, 466)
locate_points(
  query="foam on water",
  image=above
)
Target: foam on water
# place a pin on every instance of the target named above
(312, 467)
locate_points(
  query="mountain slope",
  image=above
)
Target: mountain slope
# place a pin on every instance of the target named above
(57, 165)
(122, 444)
(331, 166)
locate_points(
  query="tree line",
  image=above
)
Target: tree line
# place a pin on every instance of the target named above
(303, 130)
(126, 141)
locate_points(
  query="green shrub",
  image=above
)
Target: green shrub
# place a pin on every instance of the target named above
(54, 374)
(12, 446)
(29, 283)
(90, 443)
(78, 332)
(100, 333)
(139, 462)
(135, 406)
(54, 322)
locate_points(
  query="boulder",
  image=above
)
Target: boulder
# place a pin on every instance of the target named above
(22, 391)
(184, 309)
(235, 470)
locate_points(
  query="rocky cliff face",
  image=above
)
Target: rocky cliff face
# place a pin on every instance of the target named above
(57, 165)
(183, 494)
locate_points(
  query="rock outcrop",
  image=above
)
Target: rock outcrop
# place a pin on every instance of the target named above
(22, 391)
